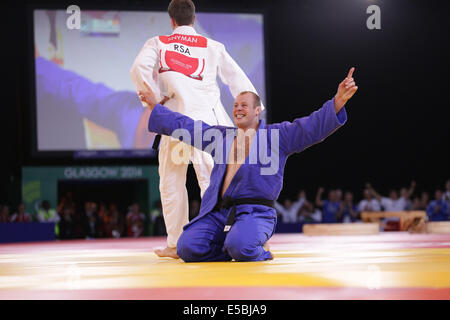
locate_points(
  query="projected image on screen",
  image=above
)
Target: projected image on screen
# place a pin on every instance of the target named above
(85, 97)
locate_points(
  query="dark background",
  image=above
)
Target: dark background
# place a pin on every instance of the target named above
(398, 126)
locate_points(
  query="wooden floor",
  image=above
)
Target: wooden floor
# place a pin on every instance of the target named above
(384, 266)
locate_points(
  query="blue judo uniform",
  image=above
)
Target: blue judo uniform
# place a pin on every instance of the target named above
(204, 239)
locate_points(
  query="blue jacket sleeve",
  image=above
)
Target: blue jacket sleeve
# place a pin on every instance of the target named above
(116, 110)
(195, 133)
(304, 132)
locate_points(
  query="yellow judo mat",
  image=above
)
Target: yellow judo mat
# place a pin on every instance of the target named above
(385, 266)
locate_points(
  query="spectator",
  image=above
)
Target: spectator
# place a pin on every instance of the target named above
(447, 190)
(135, 222)
(446, 196)
(437, 210)
(93, 224)
(21, 215)
(348, 210)
(67, 222)
(309, 213)
(394, 202)
(406, 194)
(338, 195)
(105, 220)
(46, 215)
(102, 210)
(159, 226)
(4, 214)
(421, 203)
(306, 209)
(369, 203)
(289, 211)
(117, 226)
(330, 207)
(416, 203)
(66, 200)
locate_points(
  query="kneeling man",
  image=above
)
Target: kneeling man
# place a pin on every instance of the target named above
(237, 216)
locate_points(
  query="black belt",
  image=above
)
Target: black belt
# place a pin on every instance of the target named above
(156, 142)
(229, 202)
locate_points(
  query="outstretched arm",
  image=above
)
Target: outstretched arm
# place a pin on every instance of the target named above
(170, 123)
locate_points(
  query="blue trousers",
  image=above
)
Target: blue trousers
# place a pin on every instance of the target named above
(204, 240)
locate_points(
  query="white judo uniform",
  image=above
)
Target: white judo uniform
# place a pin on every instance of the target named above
(185, 66)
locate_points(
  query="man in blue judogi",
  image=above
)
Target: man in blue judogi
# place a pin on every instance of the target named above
(237, 216)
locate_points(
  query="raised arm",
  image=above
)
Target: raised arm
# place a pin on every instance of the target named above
(319, 201)
(374, 193)
(411, 189)
(280, 208)
(298, 204)
(232, 75)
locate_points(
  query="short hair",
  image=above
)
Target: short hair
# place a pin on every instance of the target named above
(256, 98)
(182, 11)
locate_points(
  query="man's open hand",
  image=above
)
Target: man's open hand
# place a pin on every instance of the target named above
(149, 97)
(346, 90)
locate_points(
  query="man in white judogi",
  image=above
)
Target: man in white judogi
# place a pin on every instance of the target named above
(184, 66)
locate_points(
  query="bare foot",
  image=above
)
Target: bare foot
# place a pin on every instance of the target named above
(267, 248)
(167, 252)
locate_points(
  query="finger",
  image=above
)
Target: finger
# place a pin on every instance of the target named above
(349, 85)
(350, 93)
(349, 80)
(350, 73)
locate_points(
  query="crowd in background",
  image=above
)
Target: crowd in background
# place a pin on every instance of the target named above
(99, 220)
(95, 220)
(339, 206)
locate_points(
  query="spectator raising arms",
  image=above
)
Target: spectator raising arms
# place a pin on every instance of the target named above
(394, 202)
(369, 203)
(330, 207)
(289, 211)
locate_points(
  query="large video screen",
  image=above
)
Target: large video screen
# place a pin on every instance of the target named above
(85, 99)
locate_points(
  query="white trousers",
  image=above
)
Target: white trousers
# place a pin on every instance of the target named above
(172, 182)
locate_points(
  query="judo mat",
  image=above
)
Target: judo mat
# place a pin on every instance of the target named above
(385, 266)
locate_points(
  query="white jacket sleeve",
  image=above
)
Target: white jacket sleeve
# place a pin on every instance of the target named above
(232, 75)
(142, 70)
